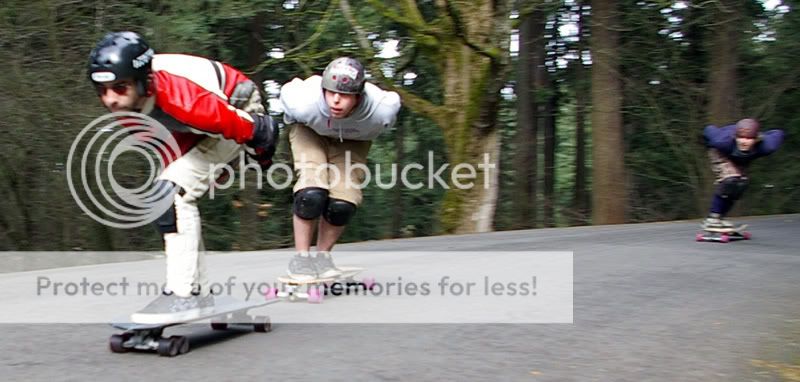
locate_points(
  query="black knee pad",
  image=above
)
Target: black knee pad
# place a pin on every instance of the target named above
(339, 212)
(310, 203)
(168, 221)
(732, 188)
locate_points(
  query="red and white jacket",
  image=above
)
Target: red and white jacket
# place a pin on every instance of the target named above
(190, 95)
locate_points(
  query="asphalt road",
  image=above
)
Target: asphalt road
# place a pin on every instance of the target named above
(649, 304)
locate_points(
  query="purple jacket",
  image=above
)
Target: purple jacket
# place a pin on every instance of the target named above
(724, 140)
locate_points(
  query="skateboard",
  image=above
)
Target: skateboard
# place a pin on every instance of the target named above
(149, 337)
(293, 289)
(723, 235)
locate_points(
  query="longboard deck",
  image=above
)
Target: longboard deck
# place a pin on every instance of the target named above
(723, 235)
(227, 311)
(727, 230)
(222, 306)
(347, 273)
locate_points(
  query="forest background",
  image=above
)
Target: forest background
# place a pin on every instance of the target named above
(593, 110)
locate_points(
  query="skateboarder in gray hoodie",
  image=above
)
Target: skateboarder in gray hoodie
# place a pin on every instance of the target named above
(334, 118)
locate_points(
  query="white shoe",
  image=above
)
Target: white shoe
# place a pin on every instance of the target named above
(170, 308)
(711, 222)
(325, 267)
(302, 268)
(725, 223)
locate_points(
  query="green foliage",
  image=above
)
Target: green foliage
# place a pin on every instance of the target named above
(772, 79)
(45, 45)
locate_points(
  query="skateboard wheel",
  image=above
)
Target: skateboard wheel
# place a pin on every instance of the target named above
(262, 324)
(168, 347)
(117, 341)
(698, 236)
(314, 295)
(724, 238)
(182, 343)
(272, 293)
(218, 325)
(747, 235)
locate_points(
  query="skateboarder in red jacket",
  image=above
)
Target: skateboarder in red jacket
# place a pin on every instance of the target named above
(731, 149)
(214, 112)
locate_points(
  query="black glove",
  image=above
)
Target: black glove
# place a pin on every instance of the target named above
(265, 139)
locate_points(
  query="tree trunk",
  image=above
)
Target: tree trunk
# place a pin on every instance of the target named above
(468, 40)
(542, 110)
(724, 104)
(399, 149)
(472, 82)
(550, 161)
(698, 116)
(580, 200)
(547, 115)
(469, 210)
(525, 143)
(609, 196)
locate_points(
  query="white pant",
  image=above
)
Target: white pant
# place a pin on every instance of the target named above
(193, 172)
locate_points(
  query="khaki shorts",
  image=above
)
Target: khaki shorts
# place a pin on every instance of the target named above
(197, 169)
(722, 167)
(322, 162)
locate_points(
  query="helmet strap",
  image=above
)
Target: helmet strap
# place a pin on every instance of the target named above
(144, 87)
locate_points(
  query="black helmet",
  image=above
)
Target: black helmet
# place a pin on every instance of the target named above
(344, 75)
(121, 56)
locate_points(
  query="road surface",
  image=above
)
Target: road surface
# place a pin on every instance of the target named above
(649, 303)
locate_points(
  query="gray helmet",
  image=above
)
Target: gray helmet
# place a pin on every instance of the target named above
(121, 56)
(344, 75)
(747, 128)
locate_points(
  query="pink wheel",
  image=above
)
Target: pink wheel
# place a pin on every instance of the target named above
(724, 238)
(747, 235)
(699, 237)
(314, 295)
(271, 294)
(369, 283)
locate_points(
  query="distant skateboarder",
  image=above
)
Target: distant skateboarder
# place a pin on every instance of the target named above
(731, 149)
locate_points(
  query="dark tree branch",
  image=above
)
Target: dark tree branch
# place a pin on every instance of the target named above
(314, 37)
(415, 102)
(461, 33)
